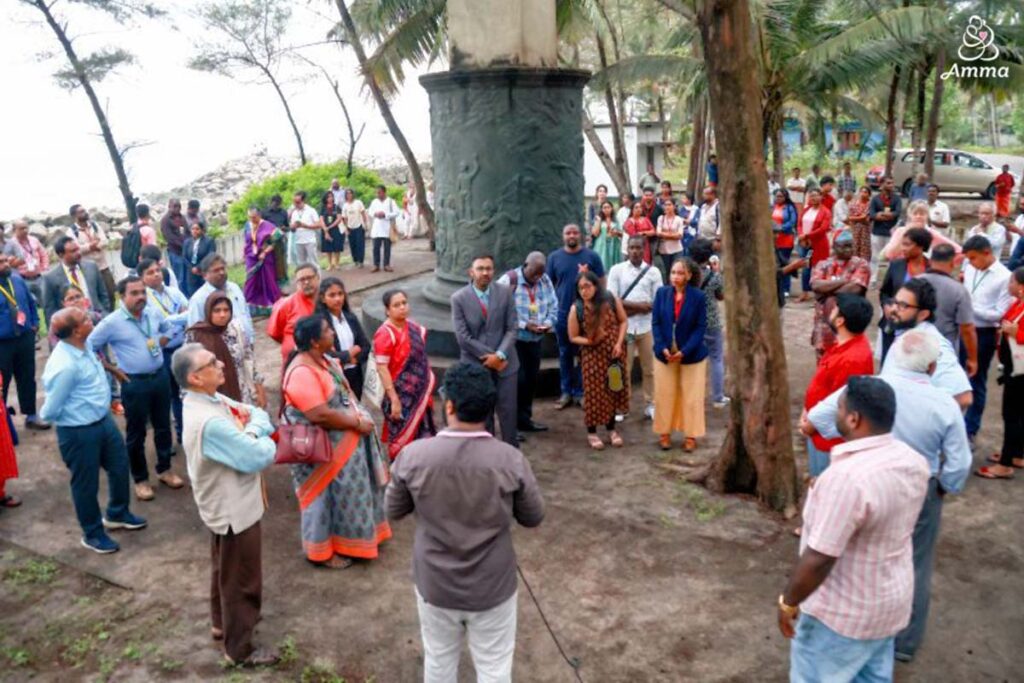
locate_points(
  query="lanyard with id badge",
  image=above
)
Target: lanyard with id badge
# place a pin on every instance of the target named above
(151, 344)
(19, 315)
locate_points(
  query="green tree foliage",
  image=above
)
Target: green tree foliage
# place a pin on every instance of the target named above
(315, 179)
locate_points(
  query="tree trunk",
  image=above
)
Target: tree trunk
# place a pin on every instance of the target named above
(425, 210)
(757, 456)
(934, 115)
(697, 144)
(288, 111)
(621, 178)
(618, 117)
(353, 138)
(890, 119)
(916, 135)
(101, 117)
(778, 153)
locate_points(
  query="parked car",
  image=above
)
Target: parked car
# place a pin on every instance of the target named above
(955, 171)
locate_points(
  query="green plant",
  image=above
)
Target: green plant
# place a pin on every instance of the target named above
(288, 651)
(32, 572)
(320, 671)
(315, 180)
(18, 656)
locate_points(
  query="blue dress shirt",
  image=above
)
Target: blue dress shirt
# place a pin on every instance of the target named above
(172, 305)
(928, 420)
(128, 338)
(77, 388)
(249, 450)
(9, 328)
(239, 307)
(949, 375)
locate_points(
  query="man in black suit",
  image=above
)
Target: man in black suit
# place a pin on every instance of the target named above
(70, 269)
(485, 321)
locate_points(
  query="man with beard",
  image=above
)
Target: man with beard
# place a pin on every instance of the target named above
(485, 322)
(93, 242)
(172, 227)
(914, 308)
(564, 267)
(651, 206)
(137, 334)
(843, 273)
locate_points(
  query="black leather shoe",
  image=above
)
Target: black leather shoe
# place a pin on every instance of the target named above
(533, 427)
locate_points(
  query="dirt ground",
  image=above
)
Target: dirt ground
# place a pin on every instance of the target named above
(642, 576)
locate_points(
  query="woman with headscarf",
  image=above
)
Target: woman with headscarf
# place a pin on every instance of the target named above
(222, 334)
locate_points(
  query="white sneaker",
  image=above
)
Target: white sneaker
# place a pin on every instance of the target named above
(621, 418)
(649, 412)
(722, 403)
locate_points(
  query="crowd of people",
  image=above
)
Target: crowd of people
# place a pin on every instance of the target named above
(171, 346)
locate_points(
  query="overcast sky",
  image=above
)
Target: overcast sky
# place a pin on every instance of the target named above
(53, 155)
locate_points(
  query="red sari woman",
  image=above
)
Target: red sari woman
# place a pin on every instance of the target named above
(400, 351)
(8, 461)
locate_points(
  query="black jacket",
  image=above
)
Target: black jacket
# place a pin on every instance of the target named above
(361, 340)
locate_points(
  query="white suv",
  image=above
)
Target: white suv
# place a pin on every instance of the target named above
(955, 171)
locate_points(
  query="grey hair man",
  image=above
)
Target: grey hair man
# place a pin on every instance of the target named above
(928, 420)
(227, 444)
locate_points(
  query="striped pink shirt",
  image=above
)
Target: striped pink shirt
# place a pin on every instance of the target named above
(862, 510)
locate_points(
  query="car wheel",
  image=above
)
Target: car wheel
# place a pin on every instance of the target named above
(906, 187)
(990, 193)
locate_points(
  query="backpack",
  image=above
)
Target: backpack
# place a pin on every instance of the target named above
(131, 245)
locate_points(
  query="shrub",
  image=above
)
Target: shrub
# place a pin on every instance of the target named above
(315, 179)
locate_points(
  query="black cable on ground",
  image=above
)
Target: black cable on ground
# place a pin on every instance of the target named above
(573, 662)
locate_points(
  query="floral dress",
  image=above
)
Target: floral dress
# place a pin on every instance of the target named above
(243, 355)
(600, 404)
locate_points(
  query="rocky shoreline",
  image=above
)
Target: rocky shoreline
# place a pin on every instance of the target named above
(215, 190)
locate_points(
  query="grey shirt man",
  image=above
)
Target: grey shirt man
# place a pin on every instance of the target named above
(466, 489)
(954, 306)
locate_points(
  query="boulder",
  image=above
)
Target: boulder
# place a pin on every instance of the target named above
(38, 230)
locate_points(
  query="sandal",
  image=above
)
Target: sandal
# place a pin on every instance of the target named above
(665, 442)
(615, 439)
(10, 502)
(217, 633)
(1017, 462)
(989, 473)
(689, 444)
(336, 562)
(595, 442)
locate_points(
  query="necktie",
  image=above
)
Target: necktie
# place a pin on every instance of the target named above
(74, 276)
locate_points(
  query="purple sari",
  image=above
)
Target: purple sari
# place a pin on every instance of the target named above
(261, 290)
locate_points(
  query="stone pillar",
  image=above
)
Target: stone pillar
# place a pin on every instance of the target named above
(493, 33)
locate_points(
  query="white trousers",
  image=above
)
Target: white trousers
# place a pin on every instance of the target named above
(492, 641)
(307, 253)
(878, 243)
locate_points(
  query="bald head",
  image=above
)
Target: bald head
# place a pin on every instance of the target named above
(66, 321)
(534, 265)
(20, 227)
(915, 351)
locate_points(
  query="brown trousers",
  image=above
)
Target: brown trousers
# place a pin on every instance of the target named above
(236, 588)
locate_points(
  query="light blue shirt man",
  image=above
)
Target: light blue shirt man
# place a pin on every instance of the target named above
(136, 343)
(172, 305)
(246, 450)
(239, 307)
(77, 389)
(927, 419)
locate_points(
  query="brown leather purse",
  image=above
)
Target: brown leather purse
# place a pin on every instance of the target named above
(300, 444)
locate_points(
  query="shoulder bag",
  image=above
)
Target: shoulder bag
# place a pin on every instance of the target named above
(300, 444)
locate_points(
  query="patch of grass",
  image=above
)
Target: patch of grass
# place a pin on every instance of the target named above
(168, 665)
(108, 664)
(32, 572)
(288, 651)
(697, 500)
(18, 656)
(320, 671)
(78, 650)
(132, 652)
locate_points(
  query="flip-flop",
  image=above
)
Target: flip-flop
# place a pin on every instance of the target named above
(987, 473)
(595, 443)
(995, 457)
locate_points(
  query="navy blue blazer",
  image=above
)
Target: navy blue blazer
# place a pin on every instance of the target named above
(688, 331)
(207, 246)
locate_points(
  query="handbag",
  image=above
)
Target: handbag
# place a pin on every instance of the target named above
(300, 444)
(373, 388)
(616, 376)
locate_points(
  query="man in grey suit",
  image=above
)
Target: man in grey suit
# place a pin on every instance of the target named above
(485, 321)
(71, 269)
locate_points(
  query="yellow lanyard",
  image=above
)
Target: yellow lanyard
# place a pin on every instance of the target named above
(156, 300)
(10, 295)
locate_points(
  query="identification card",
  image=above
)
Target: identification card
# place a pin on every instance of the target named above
(21, 319)
(534, 308)
(154, 348)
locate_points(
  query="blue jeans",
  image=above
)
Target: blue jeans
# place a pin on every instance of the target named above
(820, 655)
(85, 450)
(569, 372)
(979, 383)
(783, 257)
(716, 353)
(357, 243)
(926, 533)
(817, 460)
(180, 267)
(805, 274)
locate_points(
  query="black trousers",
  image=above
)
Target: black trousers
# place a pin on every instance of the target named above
(147, 399)
(378, 243)
(1013, 419)
(18, 361)
(529, 367)
(176, 406)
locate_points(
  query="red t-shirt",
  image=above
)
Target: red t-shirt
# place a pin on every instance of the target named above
(837, 365)
(287, 312)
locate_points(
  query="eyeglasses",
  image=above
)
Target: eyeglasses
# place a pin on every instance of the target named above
(307, 278)
(211, 364)
(903, 305)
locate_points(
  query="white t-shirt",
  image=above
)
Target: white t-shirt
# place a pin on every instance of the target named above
(381, 227)
(307, 215)
(808, 220)
(353, 213)
(939, 211)
(621, 276)
(676, 226)
(996, 235)
(796, 187)
(840, 212)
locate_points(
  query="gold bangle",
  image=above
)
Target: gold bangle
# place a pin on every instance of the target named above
(789, 610)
